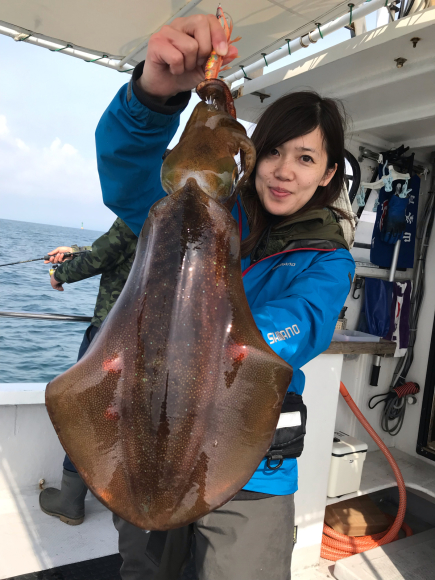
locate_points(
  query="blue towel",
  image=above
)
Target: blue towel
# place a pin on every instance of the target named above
(376, 311)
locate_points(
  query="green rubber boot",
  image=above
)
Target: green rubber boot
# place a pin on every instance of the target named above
(68, 502)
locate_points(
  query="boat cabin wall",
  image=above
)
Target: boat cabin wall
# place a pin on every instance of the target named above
(357, 368)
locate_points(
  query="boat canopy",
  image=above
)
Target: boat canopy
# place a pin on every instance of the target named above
(116, 33)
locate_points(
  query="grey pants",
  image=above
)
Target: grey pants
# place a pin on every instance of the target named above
(243, 540)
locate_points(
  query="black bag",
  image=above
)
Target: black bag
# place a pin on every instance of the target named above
(288, 441)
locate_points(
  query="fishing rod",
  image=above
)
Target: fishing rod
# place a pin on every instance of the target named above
(45, 316)
(47, 258)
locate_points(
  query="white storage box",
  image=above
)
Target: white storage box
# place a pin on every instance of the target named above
(348, 455)
(353, 336)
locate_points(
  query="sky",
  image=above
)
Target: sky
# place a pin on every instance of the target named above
(50, 105)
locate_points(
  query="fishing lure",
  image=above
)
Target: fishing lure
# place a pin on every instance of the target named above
(214, 63)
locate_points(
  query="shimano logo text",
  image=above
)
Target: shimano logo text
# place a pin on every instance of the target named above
(283, 334)
(284, 264)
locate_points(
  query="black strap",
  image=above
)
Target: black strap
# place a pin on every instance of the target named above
(156, 545)
(245, 495)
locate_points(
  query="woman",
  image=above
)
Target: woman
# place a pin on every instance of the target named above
(297, 274)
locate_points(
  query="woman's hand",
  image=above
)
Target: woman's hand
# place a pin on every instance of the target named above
(57, 255)
(177, 55)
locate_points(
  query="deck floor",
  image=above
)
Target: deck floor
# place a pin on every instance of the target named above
(31, 541)
(408, 559)
(99, 569)
(108, 568)
(34, 546)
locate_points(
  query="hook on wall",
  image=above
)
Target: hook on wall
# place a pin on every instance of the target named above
(358, 284)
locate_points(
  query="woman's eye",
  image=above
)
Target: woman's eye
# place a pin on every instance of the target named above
(274, 152)
(307, 159)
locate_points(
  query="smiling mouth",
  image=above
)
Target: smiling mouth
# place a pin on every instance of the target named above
(278, 192)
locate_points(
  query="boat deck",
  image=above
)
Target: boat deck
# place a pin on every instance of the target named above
(99, 569)
(31, 541)
(34, 546)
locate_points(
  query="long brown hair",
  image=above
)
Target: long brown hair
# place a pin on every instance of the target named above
(289, 117)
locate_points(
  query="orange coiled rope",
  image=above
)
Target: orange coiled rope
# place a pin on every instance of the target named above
(336, 546)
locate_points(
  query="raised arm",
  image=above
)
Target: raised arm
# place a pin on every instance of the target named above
(138, 125)
(131, 139)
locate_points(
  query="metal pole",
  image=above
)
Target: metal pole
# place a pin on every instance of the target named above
(394, 261)
(108, 61)
(377, 359)
(45, 316)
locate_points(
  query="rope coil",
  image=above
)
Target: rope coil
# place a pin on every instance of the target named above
(393, 413)
(407, 389)
(336, 546)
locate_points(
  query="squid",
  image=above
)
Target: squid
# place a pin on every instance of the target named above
(176, 401)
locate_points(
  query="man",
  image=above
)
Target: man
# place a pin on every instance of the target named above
(111, 255)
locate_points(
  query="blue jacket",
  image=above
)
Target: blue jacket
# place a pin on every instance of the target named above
(295, 296)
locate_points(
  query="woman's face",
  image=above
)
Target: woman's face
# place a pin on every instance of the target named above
(288, 176)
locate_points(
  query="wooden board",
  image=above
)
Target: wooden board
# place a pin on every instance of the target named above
(384, 347)
(359, 516)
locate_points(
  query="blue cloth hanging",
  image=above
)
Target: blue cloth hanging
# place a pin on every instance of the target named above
(396, 218)
(376, 311)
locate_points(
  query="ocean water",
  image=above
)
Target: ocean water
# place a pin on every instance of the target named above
(35, 351)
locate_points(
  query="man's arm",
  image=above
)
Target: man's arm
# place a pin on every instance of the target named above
(108, 251)
(57, 256)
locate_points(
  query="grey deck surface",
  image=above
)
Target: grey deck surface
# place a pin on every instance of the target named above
(106, 568)
(408, 559)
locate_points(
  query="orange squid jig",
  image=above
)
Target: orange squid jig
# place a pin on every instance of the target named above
(214, 63)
